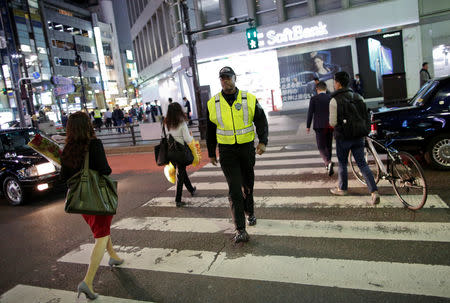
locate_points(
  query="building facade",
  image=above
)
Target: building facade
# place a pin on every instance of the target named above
(298, 41)
(43, 37)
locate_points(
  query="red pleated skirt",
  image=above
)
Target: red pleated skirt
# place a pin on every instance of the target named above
(100, 225)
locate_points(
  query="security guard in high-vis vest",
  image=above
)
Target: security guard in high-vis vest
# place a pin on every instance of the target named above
(97, 118)
(232, 117)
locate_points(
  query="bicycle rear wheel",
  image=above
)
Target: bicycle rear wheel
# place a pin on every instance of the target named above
(370, 159)
(408, 181)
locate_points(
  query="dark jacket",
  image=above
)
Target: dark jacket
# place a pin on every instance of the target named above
(260, 121)
(97, 161)
(188, 106)
(319, 109)
(346, 95)
(117, 114)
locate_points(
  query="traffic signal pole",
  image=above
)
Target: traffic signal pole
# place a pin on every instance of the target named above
(193, 60)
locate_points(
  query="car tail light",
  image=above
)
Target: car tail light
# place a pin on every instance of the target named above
(373, 128)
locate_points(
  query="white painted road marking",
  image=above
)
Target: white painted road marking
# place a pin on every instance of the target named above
(268, 162)
(292, 154)
(267, 172)
(374, 230)
(28, 294)
(284, 185)
(387, 201)
(416, 279)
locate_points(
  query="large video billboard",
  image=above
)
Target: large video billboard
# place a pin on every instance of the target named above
(379, 55)
(297, 72)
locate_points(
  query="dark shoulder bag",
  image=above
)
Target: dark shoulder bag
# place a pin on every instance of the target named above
(161, 150)
(179, 153)
(91, 193)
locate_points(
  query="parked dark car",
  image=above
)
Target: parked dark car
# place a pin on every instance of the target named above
(423, 126)
(22, 169)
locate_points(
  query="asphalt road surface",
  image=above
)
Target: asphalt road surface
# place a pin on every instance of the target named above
(307, 246)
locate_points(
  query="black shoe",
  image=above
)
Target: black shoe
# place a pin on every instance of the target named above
(181, 204)
(251, 220)
(241, 236)
(330, 169)
(193, 191)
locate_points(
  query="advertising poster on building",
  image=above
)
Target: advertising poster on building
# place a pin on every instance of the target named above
(297, 72)
(379, 55)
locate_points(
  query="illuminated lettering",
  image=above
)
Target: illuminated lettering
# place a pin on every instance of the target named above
(296, 33)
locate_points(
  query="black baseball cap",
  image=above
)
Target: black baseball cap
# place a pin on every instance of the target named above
(226, 71)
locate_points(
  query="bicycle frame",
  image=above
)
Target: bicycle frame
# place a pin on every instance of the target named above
(390, 151)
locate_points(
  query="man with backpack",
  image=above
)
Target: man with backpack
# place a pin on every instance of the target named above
(351, 121)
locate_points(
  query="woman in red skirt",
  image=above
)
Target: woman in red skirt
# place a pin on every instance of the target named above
(80, 139)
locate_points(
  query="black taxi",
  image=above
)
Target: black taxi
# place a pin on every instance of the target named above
(23, 170)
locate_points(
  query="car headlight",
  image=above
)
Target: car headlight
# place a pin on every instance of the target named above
(38, 170)
(45, 168)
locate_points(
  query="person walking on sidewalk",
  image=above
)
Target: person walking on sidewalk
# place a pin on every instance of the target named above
(424, 74)
(81, 139)
(319, 110)
(175, 122)
(231, 115)
(349, 116)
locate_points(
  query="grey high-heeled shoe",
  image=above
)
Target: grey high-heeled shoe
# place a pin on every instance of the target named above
(113, 262)
(83, 288)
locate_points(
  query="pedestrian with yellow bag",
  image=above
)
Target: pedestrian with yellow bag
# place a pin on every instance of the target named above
(182, 149)
(232, 115)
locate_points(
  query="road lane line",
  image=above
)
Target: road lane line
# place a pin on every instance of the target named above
(273, 185)
(387, 201)
(26, 293)
(417, 279)
(374, 230)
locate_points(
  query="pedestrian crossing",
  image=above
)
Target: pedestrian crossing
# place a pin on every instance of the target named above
(289, 201)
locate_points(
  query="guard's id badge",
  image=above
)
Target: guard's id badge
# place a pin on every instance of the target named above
(238, 106)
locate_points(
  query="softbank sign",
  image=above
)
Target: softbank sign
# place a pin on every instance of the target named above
(295, 33)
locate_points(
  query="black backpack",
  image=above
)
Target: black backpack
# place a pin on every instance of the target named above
(353, 118)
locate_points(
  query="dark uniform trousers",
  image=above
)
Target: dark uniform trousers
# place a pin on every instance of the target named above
(237, 162)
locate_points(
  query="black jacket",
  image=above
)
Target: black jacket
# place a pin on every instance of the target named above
(97, 161)
(260, 121)
(347, 95)
(117, 114)
(319, 109)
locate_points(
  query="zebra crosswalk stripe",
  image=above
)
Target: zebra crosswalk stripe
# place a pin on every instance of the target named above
(26, 293)
(271, 185)
(270, 162)
(267, 172)
(377, 230)
(418, 279)
(387, 201)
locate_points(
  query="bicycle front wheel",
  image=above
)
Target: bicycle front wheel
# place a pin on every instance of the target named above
(370, 159)
(408, 181)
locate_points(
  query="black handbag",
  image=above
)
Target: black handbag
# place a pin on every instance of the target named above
(161, 150)
(179, 154)
(91, 193)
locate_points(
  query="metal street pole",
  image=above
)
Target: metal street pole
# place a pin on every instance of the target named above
(78, 61)
(193, 64)
(193, 60)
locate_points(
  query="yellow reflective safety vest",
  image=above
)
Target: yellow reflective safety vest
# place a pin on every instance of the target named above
(97, 113)
(234, 123)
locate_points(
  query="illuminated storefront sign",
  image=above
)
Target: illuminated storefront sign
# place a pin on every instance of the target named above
(295, 33)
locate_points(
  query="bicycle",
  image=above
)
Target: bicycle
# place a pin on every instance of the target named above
(402, 170)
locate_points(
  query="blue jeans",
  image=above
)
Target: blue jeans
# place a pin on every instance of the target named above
(343, 148)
